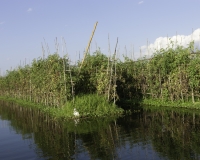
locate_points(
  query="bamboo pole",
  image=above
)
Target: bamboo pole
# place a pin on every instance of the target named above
(43, 51)
(109, 54)
(133, 57)
(64, 69)
(115, 73)
(115, 85)
(47, 47)
(193, 95)
(88, 45)
(160, 86)
(125, 51)
(192, 35)
(180, 79)
(176, 39)
(72, 83)
(108, 68)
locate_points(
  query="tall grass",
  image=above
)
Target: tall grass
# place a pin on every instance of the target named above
(170, 75)
(87, 106)
(93, 105)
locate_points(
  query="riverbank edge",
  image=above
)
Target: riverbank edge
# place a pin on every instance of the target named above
(157, 103)
(60, 112)
(175, 104)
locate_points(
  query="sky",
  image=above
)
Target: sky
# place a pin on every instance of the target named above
(27, 25)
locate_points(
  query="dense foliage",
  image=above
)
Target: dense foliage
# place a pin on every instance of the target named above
(169, 75)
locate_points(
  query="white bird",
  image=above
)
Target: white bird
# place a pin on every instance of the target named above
(76, 114)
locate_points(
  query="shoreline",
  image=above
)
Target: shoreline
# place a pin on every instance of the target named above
(66, 111)
(175, 104)
(93, 109)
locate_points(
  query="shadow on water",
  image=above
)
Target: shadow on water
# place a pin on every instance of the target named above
(146, 134)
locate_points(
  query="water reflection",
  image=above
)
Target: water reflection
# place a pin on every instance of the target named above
(146, 134)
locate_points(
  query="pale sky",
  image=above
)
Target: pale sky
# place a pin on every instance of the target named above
(24, 24)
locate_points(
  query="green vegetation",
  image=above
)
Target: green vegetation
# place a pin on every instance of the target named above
(53, 82)
(86, 105)
(178, 104)
(172, 78)
(169, 77)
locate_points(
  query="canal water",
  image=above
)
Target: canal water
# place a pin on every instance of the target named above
(147, 134)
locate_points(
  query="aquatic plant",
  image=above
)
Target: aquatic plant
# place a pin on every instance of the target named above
(170, 75)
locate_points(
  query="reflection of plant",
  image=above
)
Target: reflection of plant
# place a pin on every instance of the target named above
(57, 139)
(173, 133)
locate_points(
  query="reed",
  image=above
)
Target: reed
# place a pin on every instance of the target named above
(170, 75)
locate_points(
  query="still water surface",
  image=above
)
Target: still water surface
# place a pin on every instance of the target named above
(27, 134)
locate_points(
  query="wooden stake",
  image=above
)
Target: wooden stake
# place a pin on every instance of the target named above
(133, 57)
(111, 70)
(125, 51)
(176, 38)
(89, 44)
(147, 48)
(115, 72)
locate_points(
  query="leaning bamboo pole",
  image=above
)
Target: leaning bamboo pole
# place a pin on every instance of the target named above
(88, 45)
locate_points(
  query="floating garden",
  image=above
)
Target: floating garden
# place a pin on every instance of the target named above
(102, 83)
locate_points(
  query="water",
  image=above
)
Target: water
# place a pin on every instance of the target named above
(147, 134)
